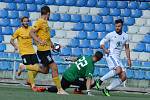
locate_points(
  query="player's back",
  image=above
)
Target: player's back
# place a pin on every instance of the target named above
(80, 68)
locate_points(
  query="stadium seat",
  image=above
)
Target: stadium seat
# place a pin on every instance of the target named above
(75, 18)
(52, 33)
(92, 35)
(84, 43)
(100, 27)
(148, 47)
(144, 30)
(3, 55)
(95, 44)
(146, 64)
(86, 18)
(125, 28)
(21, 6)
(129, 21)
(133, 5)
(112, 4)
(70, 2)
(94, 11)
(31, 7)
(97, 19)
(8, 1)
(130, 73)
(122, 5)
(107, 19)
(61, 69)
(84, 10)
(140, 47)
(29, 1)
(89, 27)
(55, 17)
(6, 30)
(11, 6)
(101, 4)
(147, 75)
(58, 25)
(14, 23)
(81, 3)
(139, 74)
(2, 47)
(60, 34)
(63, 9)
(78, 27)
(77, 52)
(65, 17)
(91, 3)
(19, 1)
(74, 43)
(1, 38)
(3, 13)
(125, 12)
(104, 11)
(146, 39)
(101, 35)
(40, 1)
(115, 12)
(144, 5)
(13, 14)
(103, 71)
(4, 22)
(136, 13)
(49, 2)
(68, 26)
(82, 35)
(66, 51)
(87, 51)
(136, 63)
(59, 2)
(73, 10)
(96, 71)
(23, 13)
(54, 9)
(110, 27)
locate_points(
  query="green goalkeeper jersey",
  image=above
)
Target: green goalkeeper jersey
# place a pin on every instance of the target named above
(82, 68)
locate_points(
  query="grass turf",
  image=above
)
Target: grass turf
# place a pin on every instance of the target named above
(22, 93)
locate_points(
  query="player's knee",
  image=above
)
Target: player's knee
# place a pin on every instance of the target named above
(118, 70)
(123, 76)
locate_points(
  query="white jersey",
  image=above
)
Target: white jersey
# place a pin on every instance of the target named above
(116, 43)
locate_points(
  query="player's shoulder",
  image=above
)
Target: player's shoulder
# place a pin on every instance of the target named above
(111, 33)
(40, 20)
(125, 34)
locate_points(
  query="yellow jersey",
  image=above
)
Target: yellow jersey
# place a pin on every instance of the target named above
(43, 33)
(24, 41)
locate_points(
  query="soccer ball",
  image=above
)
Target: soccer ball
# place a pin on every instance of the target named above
(56, 48)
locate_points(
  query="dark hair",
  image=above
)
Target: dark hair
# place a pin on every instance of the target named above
(45, 10)
(24, 18)
(98, 54)
(119, 21)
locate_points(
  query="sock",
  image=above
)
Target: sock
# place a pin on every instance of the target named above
(114, 84)
(57, 82)
(31, 78)
(34, 67)
(110, 74)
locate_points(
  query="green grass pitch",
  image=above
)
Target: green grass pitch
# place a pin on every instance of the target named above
(24, 93)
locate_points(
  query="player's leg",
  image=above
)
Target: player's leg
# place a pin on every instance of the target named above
(64, 83)
(46, 60)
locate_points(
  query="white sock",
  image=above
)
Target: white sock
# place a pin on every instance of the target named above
(114, 84)
(110, 74)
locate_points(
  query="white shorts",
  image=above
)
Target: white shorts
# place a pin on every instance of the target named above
(113, 62)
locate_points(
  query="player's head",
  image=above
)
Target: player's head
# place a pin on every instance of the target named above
(45, 11)
(97, 56)
(118, 25)
(25, 22)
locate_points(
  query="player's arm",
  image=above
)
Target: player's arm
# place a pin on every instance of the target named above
(12, 40)
(89, 76)
(102, 43)
(35, 37)
(127, 50)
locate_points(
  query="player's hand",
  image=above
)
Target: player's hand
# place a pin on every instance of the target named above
(16, 48)
(129, 63)
(42, 42)
(106, 51)
(89, 93)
